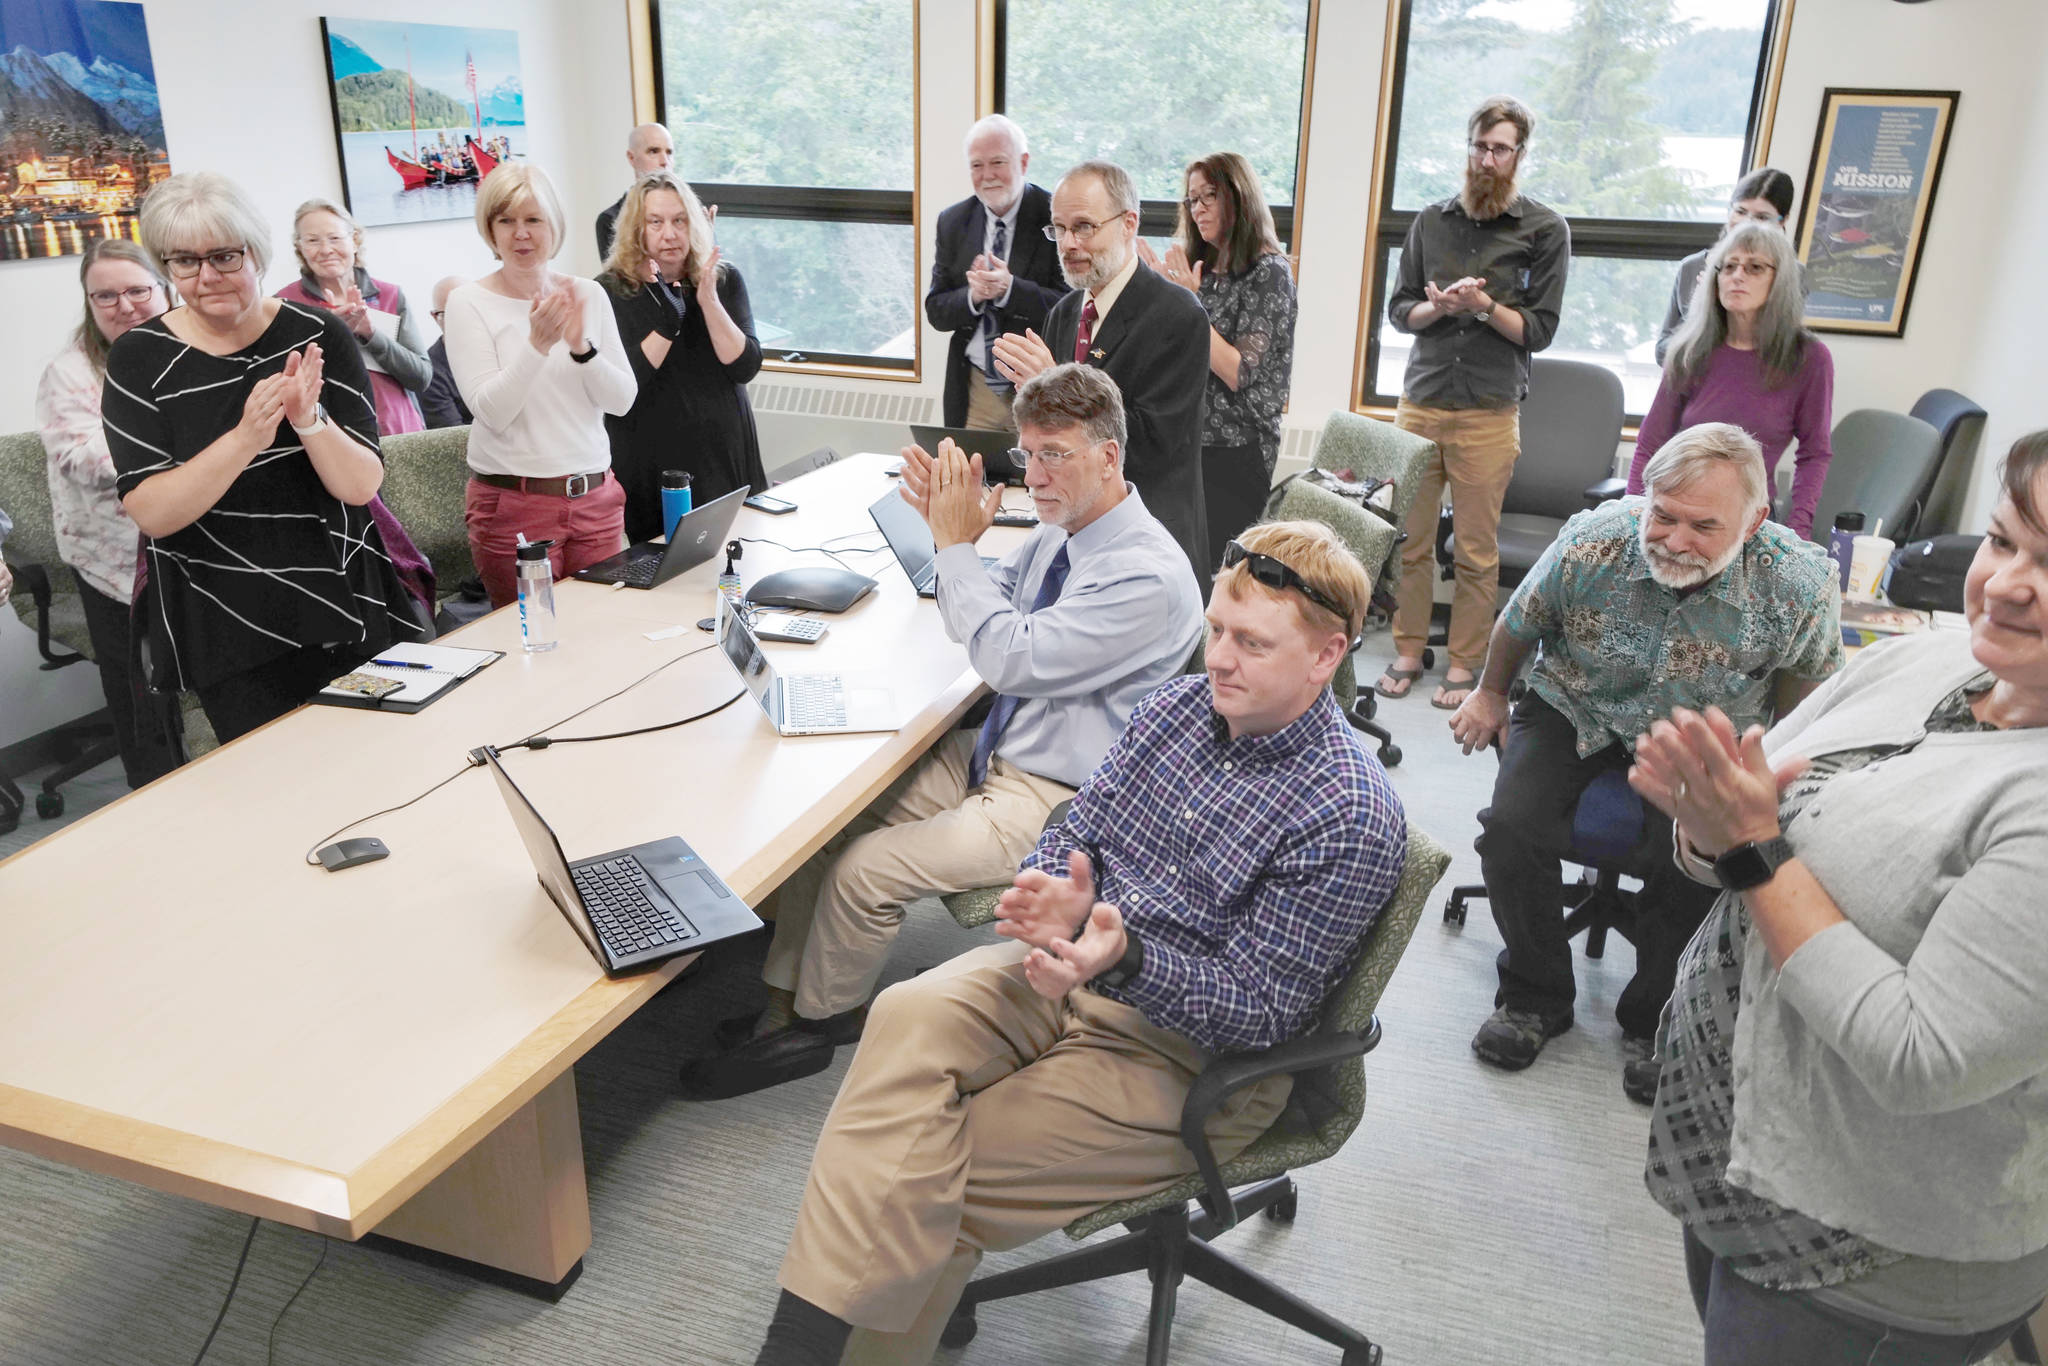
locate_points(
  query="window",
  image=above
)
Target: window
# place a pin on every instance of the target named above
(1138, 82)
(1647, 113)
(798, 119)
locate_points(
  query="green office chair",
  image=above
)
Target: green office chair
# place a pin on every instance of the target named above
(426, 485)
(1169, 1241)
(1367, 448)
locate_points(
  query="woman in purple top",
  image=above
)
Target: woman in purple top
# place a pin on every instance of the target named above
(1742, 356)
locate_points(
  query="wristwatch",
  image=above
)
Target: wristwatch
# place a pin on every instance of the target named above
(584, 357)
(1752, 864)
(1486, 316)
(319, 421)
(1125, 968)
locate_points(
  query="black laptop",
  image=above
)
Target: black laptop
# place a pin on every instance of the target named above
(992, 446)
(699, 534)
(910, 540)
(634, 907)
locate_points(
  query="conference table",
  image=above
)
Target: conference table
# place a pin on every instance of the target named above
(187, 1003)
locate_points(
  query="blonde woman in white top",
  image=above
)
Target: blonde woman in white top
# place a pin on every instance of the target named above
(538, 359)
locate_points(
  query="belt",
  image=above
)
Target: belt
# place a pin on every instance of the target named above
(573, 486)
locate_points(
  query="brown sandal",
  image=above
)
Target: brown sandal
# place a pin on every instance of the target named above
(1405, 677)
(1463, 687)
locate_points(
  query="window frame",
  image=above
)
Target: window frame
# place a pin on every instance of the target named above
(1156, 217)
(1619, 238)
(807, 203)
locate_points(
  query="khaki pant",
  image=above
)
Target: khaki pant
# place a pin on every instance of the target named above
(1476, 458)
(977, 1116)
(926, 836)
(987, 409)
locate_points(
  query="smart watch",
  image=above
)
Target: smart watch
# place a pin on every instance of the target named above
(1752, 864)
(1125, 968)
(585, 357)
(319, 421)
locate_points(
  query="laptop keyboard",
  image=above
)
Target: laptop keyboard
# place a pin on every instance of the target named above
(639, 572)
(813, 701)
(628, 920)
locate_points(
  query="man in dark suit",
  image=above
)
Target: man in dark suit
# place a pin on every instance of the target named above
(648, 149)
(1151, 336)
(442, 404)
(992, 272)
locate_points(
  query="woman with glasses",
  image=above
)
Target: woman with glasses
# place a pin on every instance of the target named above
(1225, 249)
(1743, 356)
(123, 287)
(538, 360)
(688, 332)
(329, 245)
(245, 449)
(1763, 196)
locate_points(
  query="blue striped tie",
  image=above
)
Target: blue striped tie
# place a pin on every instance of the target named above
(1006, 706)
(990, 328)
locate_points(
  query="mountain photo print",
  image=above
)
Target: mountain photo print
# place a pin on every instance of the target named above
(81, 134)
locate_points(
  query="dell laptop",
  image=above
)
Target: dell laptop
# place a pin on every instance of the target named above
(699, 535)
(808, 703)
(992, 446)
(632, 908)
(910, 540)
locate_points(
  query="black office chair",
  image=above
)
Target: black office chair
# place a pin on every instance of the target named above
(1606, 826)
(803, 464)
(1961, 425)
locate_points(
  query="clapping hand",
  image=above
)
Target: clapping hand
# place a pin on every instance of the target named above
(1020, 357)
(988, 278)
(351, 309)
(263, 409)
(300, 393)
(956, 505)
(917, 476)
(554, 316)
(6, 583)
(1715, 785)
(1175, 267)
(1040, 909)
(1064, 964)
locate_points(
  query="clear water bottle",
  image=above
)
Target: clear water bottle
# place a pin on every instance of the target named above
(536, 597)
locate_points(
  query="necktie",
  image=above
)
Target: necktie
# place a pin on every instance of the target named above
(1085, 333)
(1006, 706)
(989, 327)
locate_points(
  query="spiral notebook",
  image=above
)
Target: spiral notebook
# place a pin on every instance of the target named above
(425, 673)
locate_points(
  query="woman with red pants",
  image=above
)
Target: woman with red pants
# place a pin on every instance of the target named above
(538, 359)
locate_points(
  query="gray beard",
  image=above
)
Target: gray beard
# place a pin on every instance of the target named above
(1098, 274)
(1677, 575)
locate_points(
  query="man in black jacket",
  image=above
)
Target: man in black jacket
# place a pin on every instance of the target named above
(649, 148)
(1149, 335)
(992, 272)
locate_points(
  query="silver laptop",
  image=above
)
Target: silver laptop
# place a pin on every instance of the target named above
(632, 908)
(807, 703)
(910, 540)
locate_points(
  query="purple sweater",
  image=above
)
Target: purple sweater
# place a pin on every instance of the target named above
(1733, 390)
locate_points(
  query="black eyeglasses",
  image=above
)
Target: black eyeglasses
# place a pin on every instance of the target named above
(1274, 574)
(226, 261)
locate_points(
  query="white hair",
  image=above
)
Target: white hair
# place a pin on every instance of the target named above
(996, 123)
(1685, 458)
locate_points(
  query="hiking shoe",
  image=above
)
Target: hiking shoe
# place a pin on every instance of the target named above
(1510, 1039)
(1639, 1068)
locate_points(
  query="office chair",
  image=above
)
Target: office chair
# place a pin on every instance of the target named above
(1961, 424)
(1170, 1241)
(1883, 464)
(426, 486)
(46, 599)
(1606, 825)
(803, 464)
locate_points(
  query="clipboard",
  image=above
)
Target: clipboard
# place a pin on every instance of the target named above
(426, 673)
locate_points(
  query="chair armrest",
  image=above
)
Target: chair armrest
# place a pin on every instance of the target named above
(33, 581)
(1607, 490)
(1057, 814)
(1232, 1073)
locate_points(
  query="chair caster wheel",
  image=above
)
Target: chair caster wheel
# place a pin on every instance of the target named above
(1367, 705)
(1428, 657)
(959, 1330)
(1283, 1210)
(1369, 1357)
(1390, 756)
(1454, 912)
(49, 805)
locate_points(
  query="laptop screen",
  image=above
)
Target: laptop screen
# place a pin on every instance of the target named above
(905, 531)
(546, 853)
(743, 652)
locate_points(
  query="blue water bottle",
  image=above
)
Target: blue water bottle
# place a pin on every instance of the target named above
(675, 499)
(1842, 544)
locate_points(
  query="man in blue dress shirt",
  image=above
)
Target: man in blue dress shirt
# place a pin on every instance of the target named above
(1209, 887)
(1091, 613)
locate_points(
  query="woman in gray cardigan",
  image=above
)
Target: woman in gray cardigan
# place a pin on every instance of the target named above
(1852, 1109)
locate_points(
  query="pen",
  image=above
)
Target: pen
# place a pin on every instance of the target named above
(400, 664)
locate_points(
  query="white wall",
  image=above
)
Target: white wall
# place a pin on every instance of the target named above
(1975, 305)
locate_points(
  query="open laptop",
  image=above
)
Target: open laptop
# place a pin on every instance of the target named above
(910, 540)
(992, 446)
(699, 535)
(808, 703)
(634, 907)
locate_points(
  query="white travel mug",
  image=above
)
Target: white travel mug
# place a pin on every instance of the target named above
(1868, 558)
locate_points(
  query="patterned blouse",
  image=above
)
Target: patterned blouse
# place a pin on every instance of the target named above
(94, 535)
(1254, 311)
(1694, 1114)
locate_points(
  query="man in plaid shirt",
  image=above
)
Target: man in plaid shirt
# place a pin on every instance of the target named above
(1211, 883)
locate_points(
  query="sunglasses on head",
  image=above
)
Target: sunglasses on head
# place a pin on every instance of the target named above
(1274, 574)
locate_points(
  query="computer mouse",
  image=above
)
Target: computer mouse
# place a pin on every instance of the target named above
(348, 853)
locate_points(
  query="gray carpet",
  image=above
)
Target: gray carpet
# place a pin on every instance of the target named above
(1476, 1217)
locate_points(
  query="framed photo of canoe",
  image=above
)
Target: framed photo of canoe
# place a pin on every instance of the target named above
(422, 112)
(1869, 192)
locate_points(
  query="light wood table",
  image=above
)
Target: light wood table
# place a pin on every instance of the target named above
(187, 1004)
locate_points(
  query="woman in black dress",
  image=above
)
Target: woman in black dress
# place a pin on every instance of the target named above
(689, 331)
(245, 449)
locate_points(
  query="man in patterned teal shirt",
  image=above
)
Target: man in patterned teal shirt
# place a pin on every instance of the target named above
(1685, 597)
